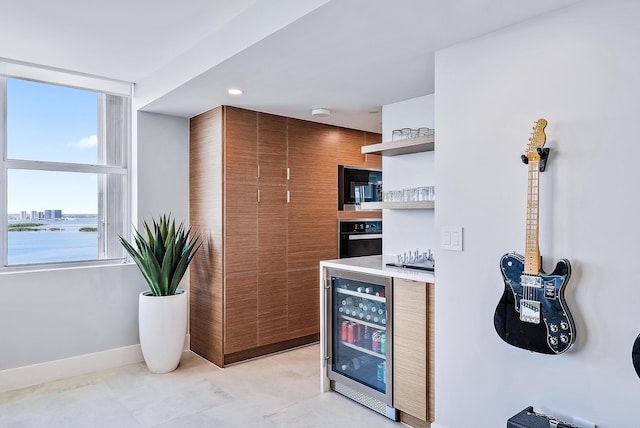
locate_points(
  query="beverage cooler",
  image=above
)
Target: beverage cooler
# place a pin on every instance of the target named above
(358, 340)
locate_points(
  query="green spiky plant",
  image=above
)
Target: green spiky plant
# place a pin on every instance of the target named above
(165, 254)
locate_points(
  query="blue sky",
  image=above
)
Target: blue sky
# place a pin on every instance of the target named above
(51, 123)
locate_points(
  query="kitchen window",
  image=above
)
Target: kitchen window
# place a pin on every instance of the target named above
(64, 188)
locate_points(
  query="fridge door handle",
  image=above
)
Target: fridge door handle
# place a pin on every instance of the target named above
(327, 322)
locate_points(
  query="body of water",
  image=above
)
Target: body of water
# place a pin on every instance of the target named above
(52, 246)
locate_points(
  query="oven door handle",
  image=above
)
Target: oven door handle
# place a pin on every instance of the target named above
(365, 236)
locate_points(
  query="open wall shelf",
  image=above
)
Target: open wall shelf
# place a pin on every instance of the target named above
(401, 147)
(413, 205)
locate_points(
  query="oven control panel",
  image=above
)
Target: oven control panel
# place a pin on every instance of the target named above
(360, 226)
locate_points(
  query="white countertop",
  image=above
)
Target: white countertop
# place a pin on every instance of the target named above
(376, 265)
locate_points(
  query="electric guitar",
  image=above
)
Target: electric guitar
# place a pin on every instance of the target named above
(532, 313)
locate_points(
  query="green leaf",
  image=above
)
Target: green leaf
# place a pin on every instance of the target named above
(164, 254)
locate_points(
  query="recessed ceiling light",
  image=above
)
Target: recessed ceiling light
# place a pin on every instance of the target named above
(234, 91)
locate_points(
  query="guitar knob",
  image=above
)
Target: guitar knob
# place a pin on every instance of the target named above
(553, 341)
(564, 325)
(564, 338)
(553, 328)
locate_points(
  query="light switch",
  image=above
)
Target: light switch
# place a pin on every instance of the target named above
(451, 238)
(455, 239)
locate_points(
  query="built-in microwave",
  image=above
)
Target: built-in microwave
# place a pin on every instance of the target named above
(356, 185)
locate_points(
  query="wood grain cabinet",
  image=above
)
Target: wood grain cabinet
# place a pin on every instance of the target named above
(263, 193)
(412, 362)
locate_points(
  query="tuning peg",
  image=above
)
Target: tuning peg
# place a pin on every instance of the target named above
(525, 159)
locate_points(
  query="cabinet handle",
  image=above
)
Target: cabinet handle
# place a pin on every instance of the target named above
(258, 171)
(288, 196)
(258, 195)
(288, 174)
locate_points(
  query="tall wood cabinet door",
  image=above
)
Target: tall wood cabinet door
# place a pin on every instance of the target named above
(272, 308)
(303, 303)
(312, 154)
(410, 344)
(272, 149)
(240, 313)
(349, 147)
(312, 220)
(372, 161)
(241, 145)
(272, 229)
(241, 229)
(205, 216)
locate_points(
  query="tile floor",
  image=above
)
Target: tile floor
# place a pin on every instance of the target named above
(281, 390)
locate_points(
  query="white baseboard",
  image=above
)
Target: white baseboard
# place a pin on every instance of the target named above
(36, 374)
(60, 369)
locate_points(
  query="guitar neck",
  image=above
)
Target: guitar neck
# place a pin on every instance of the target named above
(532, 250)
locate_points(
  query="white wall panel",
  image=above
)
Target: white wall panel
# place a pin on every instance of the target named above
(579, 69)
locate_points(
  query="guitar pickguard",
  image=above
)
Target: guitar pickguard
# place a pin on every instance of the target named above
(532, 313)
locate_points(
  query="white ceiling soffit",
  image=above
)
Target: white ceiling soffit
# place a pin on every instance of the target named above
(256, 22)
(118, 39)
(350, 56)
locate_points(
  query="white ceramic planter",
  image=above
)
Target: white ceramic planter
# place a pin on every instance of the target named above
(163, 327)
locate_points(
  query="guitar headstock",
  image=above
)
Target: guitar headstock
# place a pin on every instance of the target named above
(537, 140)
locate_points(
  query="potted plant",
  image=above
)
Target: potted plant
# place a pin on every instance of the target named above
(162, 256)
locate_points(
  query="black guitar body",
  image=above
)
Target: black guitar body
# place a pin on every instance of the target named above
(534, 316)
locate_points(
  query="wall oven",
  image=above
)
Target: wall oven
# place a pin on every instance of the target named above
(359, 237)
(356, 185)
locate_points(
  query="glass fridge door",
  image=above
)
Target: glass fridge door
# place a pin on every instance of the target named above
(359, 336)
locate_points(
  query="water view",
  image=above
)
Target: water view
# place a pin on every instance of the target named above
(72, 238)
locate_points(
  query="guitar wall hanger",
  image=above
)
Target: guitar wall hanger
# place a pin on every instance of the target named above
(544, 155)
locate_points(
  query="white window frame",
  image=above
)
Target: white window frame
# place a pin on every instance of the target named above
(103, 87)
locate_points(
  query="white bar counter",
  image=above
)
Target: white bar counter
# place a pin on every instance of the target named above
(376, 265)
(372, 265)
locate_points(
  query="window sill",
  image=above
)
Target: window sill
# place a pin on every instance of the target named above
(52, 267)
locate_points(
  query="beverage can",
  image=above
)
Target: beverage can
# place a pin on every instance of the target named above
(375, 341)
(380, 375)
(359, 334)
(383, 343)
(343, 331)
(350, 336)
(366, 339)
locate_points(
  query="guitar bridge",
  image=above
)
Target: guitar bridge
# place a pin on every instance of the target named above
(530, 311)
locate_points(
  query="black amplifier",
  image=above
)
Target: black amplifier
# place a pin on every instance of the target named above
(530, 419)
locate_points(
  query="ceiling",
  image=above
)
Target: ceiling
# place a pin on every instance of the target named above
(289, 56)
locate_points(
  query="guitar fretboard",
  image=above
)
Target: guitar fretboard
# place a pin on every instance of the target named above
(532, 250)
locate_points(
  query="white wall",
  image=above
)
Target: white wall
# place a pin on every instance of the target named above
(53, 315)
(163, 166)
(407, 230)
(579, 69)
